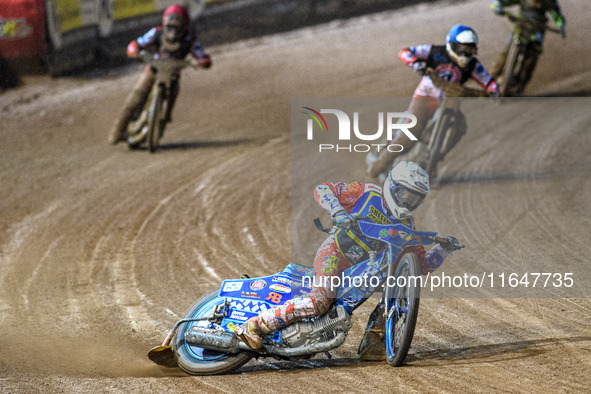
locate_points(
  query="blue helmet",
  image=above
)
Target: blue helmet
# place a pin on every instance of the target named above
(461, 44)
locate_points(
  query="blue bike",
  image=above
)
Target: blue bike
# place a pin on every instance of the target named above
(204, 343)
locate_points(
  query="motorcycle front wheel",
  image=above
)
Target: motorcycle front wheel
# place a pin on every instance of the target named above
(154, 123)
(435, 153)
(512, 64)
(402, 307)
(198, 361)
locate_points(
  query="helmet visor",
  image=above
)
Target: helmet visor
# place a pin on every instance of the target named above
(467, 50)
(406, 198)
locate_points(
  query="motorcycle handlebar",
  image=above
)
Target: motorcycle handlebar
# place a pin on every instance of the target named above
(454, 89)
(152, 59)
(516, 19)
(448, 243)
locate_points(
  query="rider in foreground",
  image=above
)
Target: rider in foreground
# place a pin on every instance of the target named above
(454, 62)
(405, 188)
(534, 12)
(172, 39)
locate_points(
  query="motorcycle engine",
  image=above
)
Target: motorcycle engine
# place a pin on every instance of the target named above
(317, 329)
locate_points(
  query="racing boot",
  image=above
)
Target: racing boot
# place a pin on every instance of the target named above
(373, 344)
(135, 100)
(251, 333)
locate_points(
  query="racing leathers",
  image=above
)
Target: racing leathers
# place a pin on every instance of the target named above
(533, 13)
(342, 249)
(427, 96)
(154, 41)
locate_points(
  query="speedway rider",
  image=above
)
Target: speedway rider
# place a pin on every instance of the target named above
(172, 39)
(454, 62)
(534, 12)
(405, 188)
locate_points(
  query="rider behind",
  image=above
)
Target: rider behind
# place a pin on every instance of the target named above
(173, 39)
(534, 13)
(454, 62)
(404, 189)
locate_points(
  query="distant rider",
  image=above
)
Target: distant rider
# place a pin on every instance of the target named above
(172, 39)
(534, 12)
(454, 62)
(404, 190)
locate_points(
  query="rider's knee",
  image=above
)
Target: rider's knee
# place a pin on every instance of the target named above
(322, 302)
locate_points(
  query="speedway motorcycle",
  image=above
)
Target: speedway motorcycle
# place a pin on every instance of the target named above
(204, 342)
(522, 56)
(445, 128)
(149, 122)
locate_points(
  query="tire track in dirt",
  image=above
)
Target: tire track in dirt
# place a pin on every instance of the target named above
(104, 249)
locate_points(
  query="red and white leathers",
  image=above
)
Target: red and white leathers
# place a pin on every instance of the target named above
(341, 250)
(155, 41)
(427, 96)
(188, 44)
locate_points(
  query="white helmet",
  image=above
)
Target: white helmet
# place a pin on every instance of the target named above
(461, 44)
(405, 188)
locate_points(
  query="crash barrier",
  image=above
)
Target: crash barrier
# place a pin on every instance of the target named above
(65, 34)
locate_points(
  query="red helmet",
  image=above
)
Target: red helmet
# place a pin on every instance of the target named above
(175, 21)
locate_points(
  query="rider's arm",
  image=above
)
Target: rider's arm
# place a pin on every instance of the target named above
(334, 197)
(484, 79)
(200, 57)
(146, 40)
(557, 16)
(418, 53)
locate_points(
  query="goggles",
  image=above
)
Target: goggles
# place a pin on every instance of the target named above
(468, 50)
(406, 198)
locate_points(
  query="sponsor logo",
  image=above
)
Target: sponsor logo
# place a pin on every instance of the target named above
(275, 298)
(258, 285)
(330, 264)
(237, 315)
(377, 217)
(283, 280)
(248, 294)
(232, 286)
(280, 288)
(354, 253)
(14, 28)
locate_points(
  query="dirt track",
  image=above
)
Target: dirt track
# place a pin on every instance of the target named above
(102, 249)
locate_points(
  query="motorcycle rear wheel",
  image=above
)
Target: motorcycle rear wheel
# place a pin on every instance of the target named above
(403, 308)
(198, 361)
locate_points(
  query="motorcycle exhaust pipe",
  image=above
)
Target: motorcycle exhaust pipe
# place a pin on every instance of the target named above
(221, 341)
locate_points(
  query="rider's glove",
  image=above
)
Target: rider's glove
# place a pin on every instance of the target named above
(419, 67)
(497, 7)
(342, 219)
(561, 26)
(451, 244)
(133, 49)
(204, 62)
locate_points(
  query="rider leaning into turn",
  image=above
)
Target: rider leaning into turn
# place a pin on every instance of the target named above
(454, 62)
(534, 12)
(173, 39)
(405, 188)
